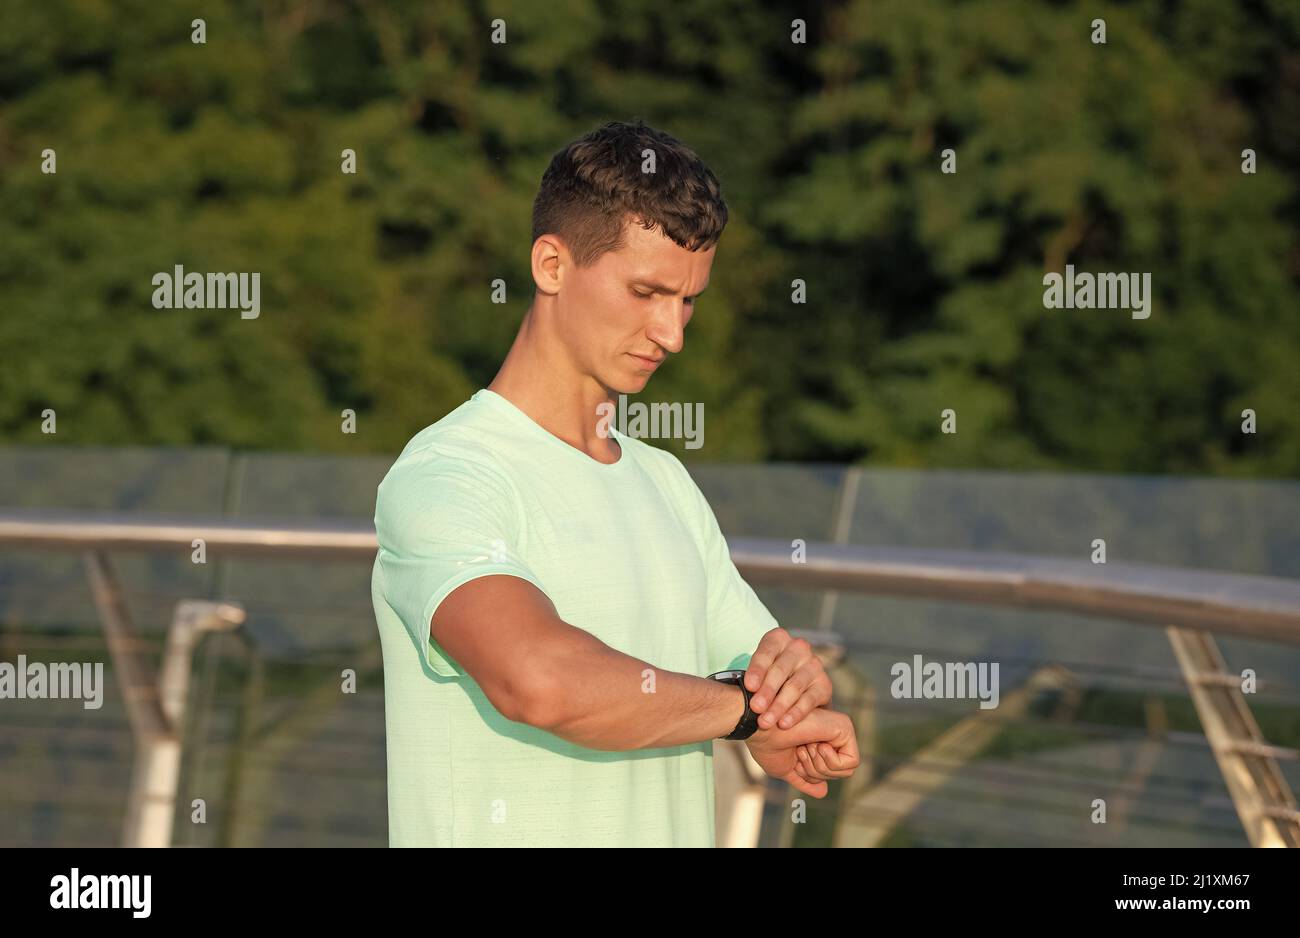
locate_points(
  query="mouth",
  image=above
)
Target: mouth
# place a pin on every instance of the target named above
(650, 364)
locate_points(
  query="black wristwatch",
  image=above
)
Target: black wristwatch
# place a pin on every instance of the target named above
(748, 724)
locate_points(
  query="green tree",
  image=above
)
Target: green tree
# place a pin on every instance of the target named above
(1116, 157)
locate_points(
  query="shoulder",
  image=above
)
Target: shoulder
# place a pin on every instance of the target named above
(468, 439)
(456, 460)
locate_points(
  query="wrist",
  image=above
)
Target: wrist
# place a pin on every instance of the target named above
(734, 710)
(746, 723)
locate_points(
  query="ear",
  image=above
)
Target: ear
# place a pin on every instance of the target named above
(550, 262)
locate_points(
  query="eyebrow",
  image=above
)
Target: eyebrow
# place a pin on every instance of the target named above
(663, 288)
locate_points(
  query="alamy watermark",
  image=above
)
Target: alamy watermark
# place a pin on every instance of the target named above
(179, 290)
(77, 891)
(945, 680)
(1098, 291)
(60, 680)
(659, 420)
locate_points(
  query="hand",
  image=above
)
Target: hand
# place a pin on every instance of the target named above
(832, 746)
(820, 761)
(787, 680)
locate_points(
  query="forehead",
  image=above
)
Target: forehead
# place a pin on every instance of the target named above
(652, 253)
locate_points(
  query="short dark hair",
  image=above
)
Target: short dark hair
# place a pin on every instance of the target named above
(595, 184)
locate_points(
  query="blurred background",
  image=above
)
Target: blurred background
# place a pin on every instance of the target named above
(822, 419)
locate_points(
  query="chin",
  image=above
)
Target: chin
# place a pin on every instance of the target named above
(626, 384)
(627, 387)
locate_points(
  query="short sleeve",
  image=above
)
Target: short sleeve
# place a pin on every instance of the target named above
(442, 520)
(737, 618)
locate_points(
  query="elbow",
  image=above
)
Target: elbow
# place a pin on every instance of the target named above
(534, 698)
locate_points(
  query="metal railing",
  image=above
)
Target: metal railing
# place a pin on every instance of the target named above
(1188, 603)
(1258, 607)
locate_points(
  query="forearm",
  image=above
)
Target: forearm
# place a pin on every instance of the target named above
(603, 699)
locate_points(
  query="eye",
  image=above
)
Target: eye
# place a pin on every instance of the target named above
(639, 294)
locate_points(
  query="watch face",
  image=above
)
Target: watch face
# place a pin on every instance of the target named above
(729, 677)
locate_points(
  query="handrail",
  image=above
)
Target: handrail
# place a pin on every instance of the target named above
(66, 530)
(1228, 603)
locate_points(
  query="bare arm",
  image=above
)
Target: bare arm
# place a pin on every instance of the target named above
(537, 669)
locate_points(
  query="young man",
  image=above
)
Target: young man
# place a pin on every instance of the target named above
(552, 598)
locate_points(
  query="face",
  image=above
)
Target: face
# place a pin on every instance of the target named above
(624, 314)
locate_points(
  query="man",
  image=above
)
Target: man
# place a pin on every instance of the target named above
(551, 597)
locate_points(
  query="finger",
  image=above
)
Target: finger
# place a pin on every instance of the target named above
(769, 646)
(802, 761)
(807, 766)
(802, 772)
(822, 757)
(816, 694)
(818, 759)
(848, 752)
(837, 763)
(826, 762)
(815, 789)
(786, 697)
(787, 663)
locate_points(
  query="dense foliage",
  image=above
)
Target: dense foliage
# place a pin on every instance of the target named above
(924, 289)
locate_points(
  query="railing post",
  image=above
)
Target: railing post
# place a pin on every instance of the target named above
(1258, 789)
(155, 705)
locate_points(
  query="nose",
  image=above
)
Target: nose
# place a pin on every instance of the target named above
(668, 328)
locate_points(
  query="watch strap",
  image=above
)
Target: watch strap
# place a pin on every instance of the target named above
(747, 726)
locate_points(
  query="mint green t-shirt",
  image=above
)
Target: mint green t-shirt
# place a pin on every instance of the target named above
(630, 552)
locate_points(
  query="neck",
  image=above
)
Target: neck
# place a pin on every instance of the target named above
(540, 377)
